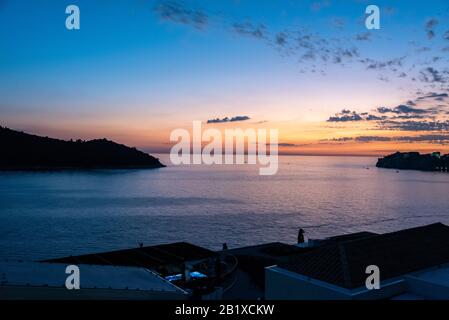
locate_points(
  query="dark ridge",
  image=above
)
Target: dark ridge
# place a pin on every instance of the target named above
(22, 151)
(415, 161)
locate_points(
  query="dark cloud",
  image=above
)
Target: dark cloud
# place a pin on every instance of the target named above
(430, 26)
(226, 119)
(429, 138)
(283, 144)
(373, 64)
(345, 116)
(408, 117)
(424, 125)
(281, 39)
(174, 12)
(373, 117)
(431, 75)
(249, 29)
(364, 36)
(433, 95)
(402, 109)
(406, 109)
(371, 138)
(353, 117)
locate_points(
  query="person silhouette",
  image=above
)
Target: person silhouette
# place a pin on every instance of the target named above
(300, 236)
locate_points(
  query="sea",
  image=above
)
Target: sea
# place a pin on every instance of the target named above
(50, 214)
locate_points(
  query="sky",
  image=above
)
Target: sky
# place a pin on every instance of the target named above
(138, 69)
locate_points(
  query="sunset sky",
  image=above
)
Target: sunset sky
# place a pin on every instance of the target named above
(138, 69)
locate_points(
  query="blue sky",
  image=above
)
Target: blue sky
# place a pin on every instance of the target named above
(137, 68)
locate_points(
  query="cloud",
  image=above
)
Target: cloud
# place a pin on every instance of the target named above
(431, 75)
(313, 52)
(345, 116)
(226, 119)
(430, 26)
(424, 125)
(283, 144)
(402, 109)
(371, 138)
(366, 36)
(400, 112)
(392, 64)
(174, 12)
(249, 29)
(281, 39)
(319, 5)
(429, 138)
(433, 95)
(372, 117)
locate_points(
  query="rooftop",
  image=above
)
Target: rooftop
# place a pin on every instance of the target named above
(41, 274)
(150, 257)
(343, 263)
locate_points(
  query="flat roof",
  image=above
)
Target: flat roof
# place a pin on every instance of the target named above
(44, 274)
(148, 257)
(344, 263)
(439, 276)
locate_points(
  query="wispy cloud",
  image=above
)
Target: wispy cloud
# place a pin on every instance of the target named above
(177, 13)
(227, 119)
(249, 29)
(401, 109)
(319, 5)
(431, 75)
(427, 138)
(345, 116)
(315, 53)
(424, 125)
(430, 28)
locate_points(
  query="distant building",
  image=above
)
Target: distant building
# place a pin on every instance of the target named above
(436, 155)
(413, 263)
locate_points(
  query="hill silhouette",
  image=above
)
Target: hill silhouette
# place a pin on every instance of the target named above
(415, 161)
(19, 150)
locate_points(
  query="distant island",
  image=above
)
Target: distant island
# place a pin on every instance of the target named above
(22, 151)
(415, 161)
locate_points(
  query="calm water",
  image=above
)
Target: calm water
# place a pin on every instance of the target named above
(51, 214)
